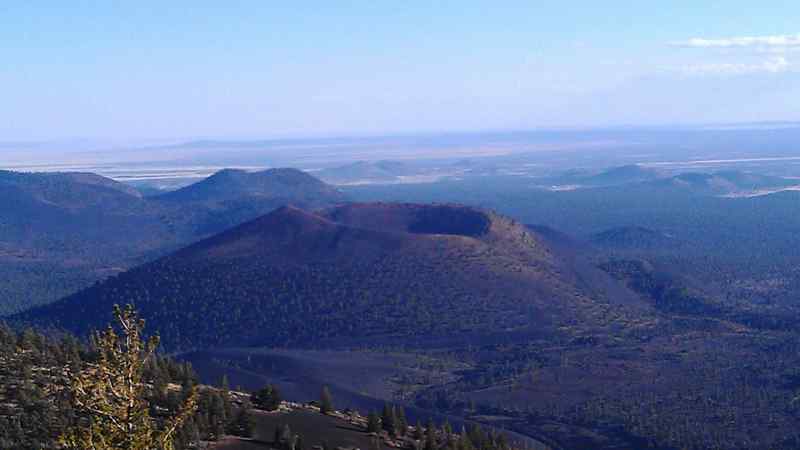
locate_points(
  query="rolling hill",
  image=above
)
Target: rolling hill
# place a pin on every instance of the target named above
(632, 173)
(358, 274)
(365, 172)
(38, 202)
(231, 197)
(60, 232)
(634, 176)
(74, 190)
(614, 176)
(277, 184)
(729, 182)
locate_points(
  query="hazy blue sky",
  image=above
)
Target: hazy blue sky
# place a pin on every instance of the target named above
(136, 69)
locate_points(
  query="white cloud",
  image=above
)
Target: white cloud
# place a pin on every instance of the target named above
(776, 41)
(777, 64)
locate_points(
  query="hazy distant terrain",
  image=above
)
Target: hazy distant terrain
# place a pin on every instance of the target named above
(768, 150)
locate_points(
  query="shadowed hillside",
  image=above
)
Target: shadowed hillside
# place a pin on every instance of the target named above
(354, 274)
(621, 175)
(232, 197)
(60, 232)
(724, 182)
(231, 184)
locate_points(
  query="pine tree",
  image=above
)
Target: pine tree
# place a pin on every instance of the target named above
(268, 398)
(284, 438)
(326, 401)
(217, 414)
(373, 422)
(375, 443)
(225, 392)
(242, 424)
(402, 422)
(476, 436)
(389, 420)
(224, 384)
(110, 394)
(464, 443)
(502, 442)
(419, 433)
(430, 437)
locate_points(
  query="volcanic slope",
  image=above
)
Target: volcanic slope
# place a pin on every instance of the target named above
(280, 183)
(231, 197)
(354, 275)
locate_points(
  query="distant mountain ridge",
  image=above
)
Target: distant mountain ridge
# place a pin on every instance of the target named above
(724, 182)
(633, 173)
(614, 176)
(61, 231)
(37, 208)
(69, 190)
(231, 197)
(41, 205)
(282, 183)
(365, 172)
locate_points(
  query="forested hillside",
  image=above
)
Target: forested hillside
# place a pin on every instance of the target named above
(409, 273)
(61, 232)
